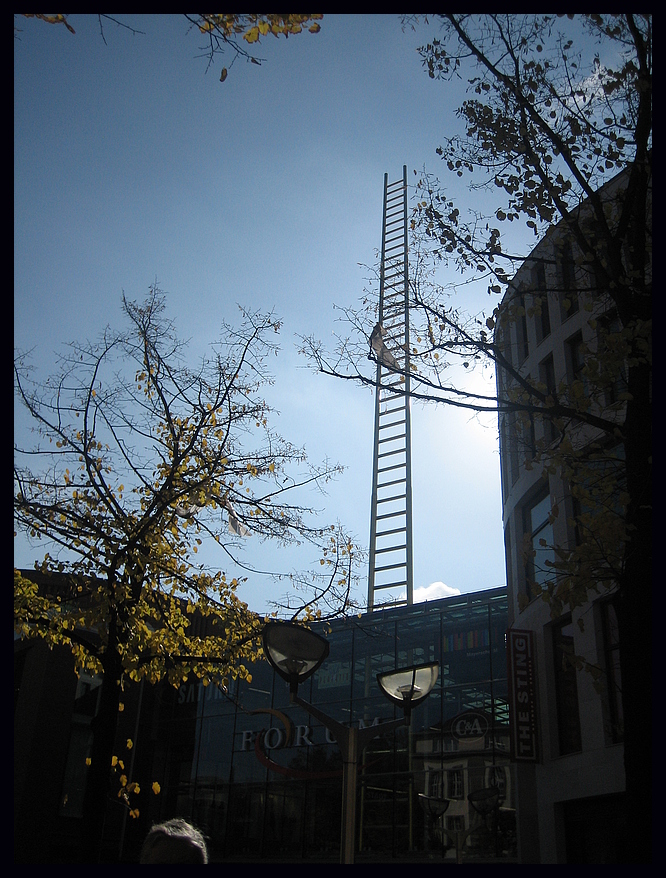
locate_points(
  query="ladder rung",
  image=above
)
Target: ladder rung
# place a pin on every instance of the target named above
(392, 387)
(392, 482)
(386, 439)
(392, 424)
(390, 515)
(394, 530)
(387, 469)
(390, 549)
(389, 567)
(391, 585)
(391, 499)
(392, 438)
(389, 453)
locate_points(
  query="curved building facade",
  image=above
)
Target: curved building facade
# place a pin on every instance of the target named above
(569, 760)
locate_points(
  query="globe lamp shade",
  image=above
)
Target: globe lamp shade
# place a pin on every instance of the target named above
(484, 801)
(432, 806)
(294, 652)
(408, 687)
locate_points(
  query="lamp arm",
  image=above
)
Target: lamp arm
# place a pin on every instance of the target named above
(337, 729)
(367, 734)
(340, 732)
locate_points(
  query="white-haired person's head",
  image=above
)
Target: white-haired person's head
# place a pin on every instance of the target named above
(175, 841)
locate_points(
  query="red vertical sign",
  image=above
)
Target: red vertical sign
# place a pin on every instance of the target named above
(521, 660)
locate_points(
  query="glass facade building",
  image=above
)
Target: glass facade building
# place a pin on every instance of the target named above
(263, 779)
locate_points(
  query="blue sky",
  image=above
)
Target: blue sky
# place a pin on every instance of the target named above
(131, 164)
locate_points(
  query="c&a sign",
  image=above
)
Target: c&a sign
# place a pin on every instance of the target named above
(471, 726)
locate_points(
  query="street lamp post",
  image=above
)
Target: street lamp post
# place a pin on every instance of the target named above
(295, 654)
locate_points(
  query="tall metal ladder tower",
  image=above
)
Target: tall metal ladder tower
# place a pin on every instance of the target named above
(390, 579)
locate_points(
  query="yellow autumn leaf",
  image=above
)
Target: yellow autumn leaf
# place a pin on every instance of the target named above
(156, 788)
(129, 744)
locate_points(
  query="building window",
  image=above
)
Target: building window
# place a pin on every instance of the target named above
(567, 278)
(575, 356)
(610, 354)
(507, 555)
(547, 377)
(521, 330)
(86, 706)
(455, 824)
(435, 785)
(512, 442)
(540, 294)
(539, 530)
(496, 777)
(566, 687)
(598, 495)
(613, 675)
(503, 339)
(529, 437)
(455, 783)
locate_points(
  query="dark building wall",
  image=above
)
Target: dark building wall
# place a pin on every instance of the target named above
(44, 687)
